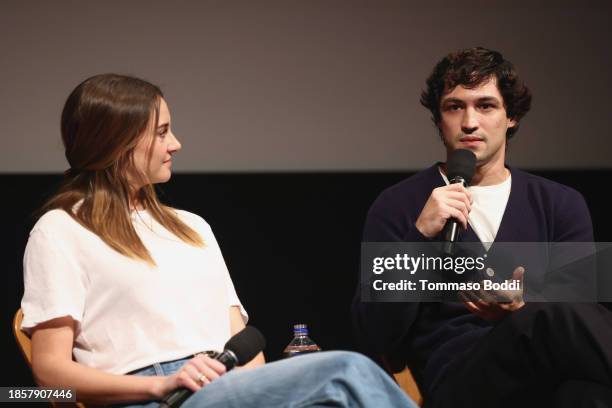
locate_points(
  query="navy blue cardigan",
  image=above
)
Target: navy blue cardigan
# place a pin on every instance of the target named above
(428, 336)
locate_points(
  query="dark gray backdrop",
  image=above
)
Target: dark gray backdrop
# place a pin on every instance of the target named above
(304, 85)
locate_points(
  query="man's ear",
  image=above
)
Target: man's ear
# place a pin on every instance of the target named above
(512, 123)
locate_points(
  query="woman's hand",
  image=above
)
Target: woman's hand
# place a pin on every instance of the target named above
(195, 374)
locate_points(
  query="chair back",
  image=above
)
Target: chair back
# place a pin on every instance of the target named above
(23, 341)
(403, 376)
(407, 383)
(25, 345)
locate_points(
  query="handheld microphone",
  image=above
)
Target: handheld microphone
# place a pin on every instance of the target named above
(239, 350)
(460, 168)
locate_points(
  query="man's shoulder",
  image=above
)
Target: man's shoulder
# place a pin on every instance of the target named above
(561, 207)
(547, 188)
(392, 215)
(410, 189)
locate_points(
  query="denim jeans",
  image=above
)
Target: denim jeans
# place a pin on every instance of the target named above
(325, 379)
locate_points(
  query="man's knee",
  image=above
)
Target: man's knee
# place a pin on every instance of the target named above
(561, 320)
(542, 312)
(583, 394)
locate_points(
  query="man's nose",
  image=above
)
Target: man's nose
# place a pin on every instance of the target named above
(469, 123)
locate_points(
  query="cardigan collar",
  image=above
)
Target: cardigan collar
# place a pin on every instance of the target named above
(510, 227)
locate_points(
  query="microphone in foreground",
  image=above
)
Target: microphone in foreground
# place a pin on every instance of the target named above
(239, 350)
(460, 168)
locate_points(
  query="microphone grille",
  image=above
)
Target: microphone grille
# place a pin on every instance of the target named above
(462, 163)
(246, 344)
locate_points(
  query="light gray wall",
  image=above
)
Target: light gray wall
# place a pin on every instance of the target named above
(304, 85)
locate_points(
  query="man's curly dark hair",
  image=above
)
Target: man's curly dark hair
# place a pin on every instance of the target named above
(470, 68)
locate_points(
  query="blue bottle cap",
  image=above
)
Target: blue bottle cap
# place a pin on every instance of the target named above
(300, 330)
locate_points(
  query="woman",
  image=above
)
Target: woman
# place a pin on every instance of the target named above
(117, 283)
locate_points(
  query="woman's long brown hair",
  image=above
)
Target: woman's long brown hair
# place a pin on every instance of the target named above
(103, 120)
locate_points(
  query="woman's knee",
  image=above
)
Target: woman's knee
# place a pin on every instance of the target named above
(347, 359)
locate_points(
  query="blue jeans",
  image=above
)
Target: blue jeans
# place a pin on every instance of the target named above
(325, 379)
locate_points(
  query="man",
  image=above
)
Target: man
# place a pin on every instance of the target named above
(480, 353)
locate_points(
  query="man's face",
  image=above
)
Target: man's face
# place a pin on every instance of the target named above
(475, 119)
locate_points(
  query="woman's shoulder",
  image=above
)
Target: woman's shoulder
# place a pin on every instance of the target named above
(55, 221)
(192, 219)
(56, 228)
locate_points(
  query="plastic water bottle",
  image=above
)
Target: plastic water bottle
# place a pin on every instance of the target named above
(301, 343)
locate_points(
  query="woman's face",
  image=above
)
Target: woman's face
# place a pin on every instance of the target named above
(163, 146)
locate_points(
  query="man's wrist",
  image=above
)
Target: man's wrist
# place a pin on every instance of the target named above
(421, 230)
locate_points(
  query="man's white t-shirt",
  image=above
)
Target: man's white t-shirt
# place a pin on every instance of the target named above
(129, 314)
(488, 207)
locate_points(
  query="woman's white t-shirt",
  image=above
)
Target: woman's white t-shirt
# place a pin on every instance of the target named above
(129, 314)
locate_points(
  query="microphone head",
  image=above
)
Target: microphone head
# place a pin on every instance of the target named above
(246, 344)
(462, 163)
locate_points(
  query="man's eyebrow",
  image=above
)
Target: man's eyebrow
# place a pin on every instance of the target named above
(453, 100)
(480, 100)
(488, 99)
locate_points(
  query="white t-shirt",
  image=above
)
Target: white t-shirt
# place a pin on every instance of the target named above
(487, 209)
(129, 314)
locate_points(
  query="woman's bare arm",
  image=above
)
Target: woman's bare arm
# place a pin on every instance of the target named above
(53, 366)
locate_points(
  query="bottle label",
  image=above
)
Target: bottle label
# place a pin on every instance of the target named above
(293, 353)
